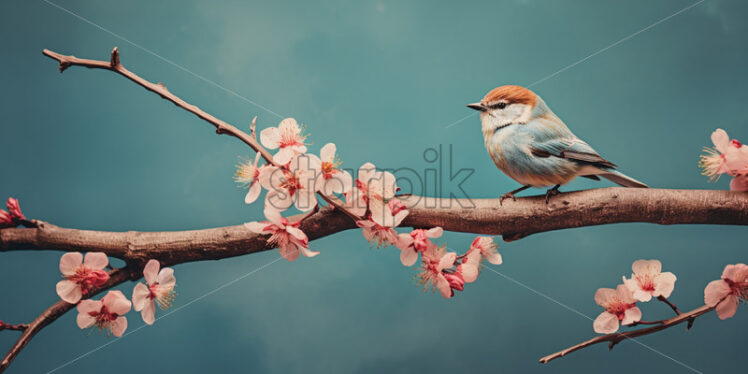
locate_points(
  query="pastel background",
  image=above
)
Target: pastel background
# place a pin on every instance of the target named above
(383, 80)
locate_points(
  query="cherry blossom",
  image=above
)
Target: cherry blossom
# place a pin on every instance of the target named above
(382, 235)
(158, 288)
(287, 137)
(727, 156)
(435, 261)
(619, 305)
(414, 242)
(286, 235)
(292, 186)
(81, 276)
(648, 280)
(726, 292)
(332, 179)
(106, 313)
(248, 176)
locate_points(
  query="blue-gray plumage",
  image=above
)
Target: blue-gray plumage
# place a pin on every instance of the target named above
(530, 144)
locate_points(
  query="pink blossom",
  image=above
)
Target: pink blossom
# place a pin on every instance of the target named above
(435, 261)
(414, 242)
(382, 235)
(158, 288)
(648, 280)
(727, 156)
(619, 305)
(106, 313)
(81, 276)
(248, 176)
(483, 247)
(726, 292)
(332, 179)
(286, 235)
(287, 137)
(292, 186)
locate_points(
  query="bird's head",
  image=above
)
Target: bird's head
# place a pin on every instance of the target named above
(506, 105)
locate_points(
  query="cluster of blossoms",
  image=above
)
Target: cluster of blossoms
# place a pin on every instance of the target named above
(295, 177)
(649, 281)
(646, 282)
(727, 157)
(85, 274)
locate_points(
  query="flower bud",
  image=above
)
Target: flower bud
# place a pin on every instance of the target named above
(93, 279)
(5, 219)
(15, 210)
(456, 282)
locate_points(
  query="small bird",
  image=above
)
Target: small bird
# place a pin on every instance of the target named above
(531, 145)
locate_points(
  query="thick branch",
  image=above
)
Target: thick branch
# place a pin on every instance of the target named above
(525, 216)
(613, 339)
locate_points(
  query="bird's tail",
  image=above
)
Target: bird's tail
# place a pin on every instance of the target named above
(622, 179)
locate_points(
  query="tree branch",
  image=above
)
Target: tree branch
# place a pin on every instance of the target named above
(526, 216)
(616, 338)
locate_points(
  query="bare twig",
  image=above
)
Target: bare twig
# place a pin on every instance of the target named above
(613, 339)
(8, 326)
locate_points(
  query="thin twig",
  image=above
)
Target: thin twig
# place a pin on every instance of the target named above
(615, 338)
(8, 326)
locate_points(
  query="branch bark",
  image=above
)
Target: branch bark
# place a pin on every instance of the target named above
(526, 216)
(613, 339)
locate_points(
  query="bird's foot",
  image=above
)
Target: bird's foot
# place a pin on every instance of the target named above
(508, 195)
(552, 192)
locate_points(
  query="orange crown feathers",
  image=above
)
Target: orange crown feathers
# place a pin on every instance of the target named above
(512, 94)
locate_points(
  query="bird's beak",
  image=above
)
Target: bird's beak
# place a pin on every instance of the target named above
(477, 106)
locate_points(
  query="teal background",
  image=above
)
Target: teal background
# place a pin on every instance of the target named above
(381, 79)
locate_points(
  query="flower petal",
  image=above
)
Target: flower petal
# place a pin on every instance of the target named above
(166, 278)
(140, 296)
(715, 291)
(96, 260)
(150, 271)
(721, 140)
(447, 261)
(408, 256)
(149, 312)
(727, 307)
(739, 183)
(254, 192)
(603, 296)
(631, 315)
(664, 284)
(290, 252)
(644, 267)
(442, 284)
(116, 302)
(69, 262)
(69, 291)
(284, 155)
(296, 232)
(327, 153)
(434, 232)
(89, 306)
(270, 138)
(605, 323)
(118, 326)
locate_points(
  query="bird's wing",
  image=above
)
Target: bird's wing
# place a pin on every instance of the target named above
(570, 148)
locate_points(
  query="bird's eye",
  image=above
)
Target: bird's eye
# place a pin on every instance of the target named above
(500, 105)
